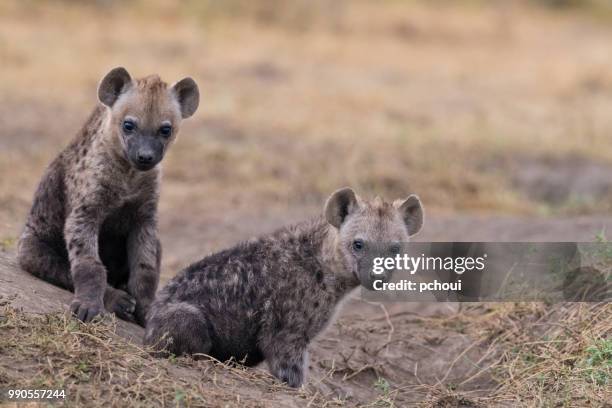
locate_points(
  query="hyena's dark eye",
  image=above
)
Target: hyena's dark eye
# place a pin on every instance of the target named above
(358, 245)
(395, 248)
(165, 130)
(128, 126)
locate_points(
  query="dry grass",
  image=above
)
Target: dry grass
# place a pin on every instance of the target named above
(97, 368)
(545, 356)
(561, 359)
(540, 356)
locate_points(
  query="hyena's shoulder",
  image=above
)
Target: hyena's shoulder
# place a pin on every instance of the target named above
(86, 161)
(81, 146)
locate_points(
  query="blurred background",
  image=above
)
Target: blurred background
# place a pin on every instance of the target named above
(496, 113)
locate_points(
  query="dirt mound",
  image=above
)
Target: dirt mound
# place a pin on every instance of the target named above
(567, 183)
(371, 354)
(103, 364)
(96, 367)
(558, 180)
(404, 354)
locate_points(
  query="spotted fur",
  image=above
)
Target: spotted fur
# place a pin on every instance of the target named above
(267, 298)
(92, 227)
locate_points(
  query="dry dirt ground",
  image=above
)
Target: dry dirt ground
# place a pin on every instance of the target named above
(394, 354)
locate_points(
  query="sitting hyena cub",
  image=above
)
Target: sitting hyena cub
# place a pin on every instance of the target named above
(269, 297)
(92, 226)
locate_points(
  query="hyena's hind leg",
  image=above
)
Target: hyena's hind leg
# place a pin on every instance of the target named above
(177, 328)
(45, 259)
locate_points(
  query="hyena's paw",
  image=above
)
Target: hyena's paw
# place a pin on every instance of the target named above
(290, 370)
(292, 374)
(121, 303)
(140, 314)
(86, 311)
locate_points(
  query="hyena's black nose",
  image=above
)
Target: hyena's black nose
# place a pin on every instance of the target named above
(145, 158)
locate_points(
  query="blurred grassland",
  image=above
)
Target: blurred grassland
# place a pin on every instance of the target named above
(450, 100)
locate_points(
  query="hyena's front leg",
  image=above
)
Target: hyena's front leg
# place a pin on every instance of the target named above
(289, 365)
(286, 355)
(144, 258)
(88, 271)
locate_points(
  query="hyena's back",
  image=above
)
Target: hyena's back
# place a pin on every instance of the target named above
(42, 250)
(47, 215)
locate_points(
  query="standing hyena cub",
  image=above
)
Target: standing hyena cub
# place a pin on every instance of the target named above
(92, 227)
(269, 297)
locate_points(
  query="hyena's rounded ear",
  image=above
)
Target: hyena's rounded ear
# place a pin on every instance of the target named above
(113, 84)
(188, 96)
(411, 211)
(339, 205)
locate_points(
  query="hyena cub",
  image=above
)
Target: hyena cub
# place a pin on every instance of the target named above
(92, 227)
(267, 298)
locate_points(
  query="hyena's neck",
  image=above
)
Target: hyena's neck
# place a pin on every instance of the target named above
(338, 277)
